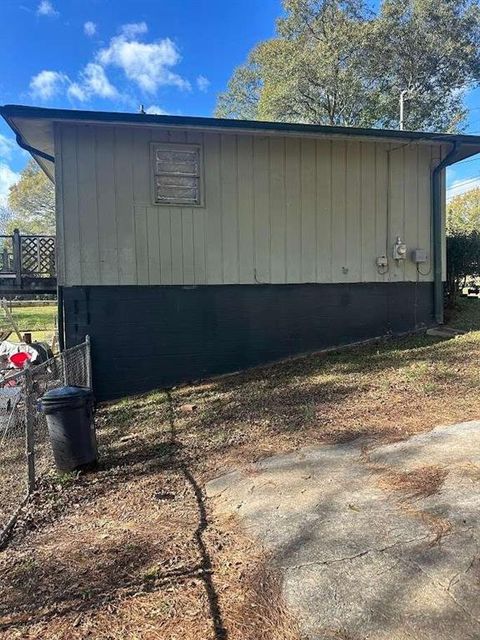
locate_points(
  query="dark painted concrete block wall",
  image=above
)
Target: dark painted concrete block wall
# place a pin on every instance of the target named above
(145, 337)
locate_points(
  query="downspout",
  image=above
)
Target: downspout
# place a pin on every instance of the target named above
(438, 230)
(60, 319)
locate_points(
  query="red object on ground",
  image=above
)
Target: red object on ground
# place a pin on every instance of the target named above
(19, 359)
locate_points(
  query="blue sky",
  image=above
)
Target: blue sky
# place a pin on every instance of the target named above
(172, 56)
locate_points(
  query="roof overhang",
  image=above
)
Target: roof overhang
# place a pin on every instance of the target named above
(34, 128)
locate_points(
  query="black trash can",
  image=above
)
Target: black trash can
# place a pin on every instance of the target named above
(69, 414)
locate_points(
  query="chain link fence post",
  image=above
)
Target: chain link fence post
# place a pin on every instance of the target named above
(25, 452)
(88, 361)
(29, 428)
(63, 360)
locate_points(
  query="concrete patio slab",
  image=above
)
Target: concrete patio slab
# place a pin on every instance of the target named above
(362, 562)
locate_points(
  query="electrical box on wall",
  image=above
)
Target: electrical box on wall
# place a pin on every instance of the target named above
(399, 249)
(382, 261)
(419, 256)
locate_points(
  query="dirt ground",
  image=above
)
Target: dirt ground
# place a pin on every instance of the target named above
(134, 551)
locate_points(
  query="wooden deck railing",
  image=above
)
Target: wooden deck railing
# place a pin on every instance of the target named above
(27, 255)
(27, 260)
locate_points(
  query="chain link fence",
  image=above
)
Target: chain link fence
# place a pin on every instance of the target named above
(25, 452)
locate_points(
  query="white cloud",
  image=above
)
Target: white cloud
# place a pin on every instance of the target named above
(89, 28)
(155, 110)
(47, 84)
(7, 145)
(46, 8)
(7, 178)
(133, 29)
(92, 82)
(203, 83)
(146, 64)
(77, 92)
(458, 187)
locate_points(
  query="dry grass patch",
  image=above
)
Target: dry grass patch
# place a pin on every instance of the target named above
(137, 560)
(419, 483)
(411, 486)
(471, 470)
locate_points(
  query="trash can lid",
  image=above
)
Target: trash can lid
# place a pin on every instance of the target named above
(65, 393)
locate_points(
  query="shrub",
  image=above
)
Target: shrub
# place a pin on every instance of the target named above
(463, 262)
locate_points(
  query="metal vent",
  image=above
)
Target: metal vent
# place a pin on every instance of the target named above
(177, 174)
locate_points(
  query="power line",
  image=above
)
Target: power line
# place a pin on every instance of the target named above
(457, 185)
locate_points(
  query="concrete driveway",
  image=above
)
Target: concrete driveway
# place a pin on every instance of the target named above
(383, 545)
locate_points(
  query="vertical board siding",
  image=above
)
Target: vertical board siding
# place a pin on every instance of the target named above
(261, 204)
(308, 211)
(396, 208)
(245, 210)
(214, 246)
(382, 207)
(123, 152)
(165, 241)
(293, 205)
(410, 186)
(71, 209)
(278, 209)
(107, 203)
(368, 238)
(353, 231)
(141, 188)
(176, 235)
(323, 211)
(338, 245)
(142, 253)
(188, 247)
(152, 245)
(87, 203)
(229, 206)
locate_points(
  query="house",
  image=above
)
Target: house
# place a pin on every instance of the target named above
(196, 246)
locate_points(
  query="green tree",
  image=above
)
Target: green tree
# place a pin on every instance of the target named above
(32, 202)
(311, 72)
(429, 48)
(5, 217)
(463, 212)
(241, 98)
(336, 62)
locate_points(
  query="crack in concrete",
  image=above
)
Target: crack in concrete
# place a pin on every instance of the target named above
(443, 588)
(360, 554)
(453, 580)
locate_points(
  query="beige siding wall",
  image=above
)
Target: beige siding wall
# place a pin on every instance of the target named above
(277, 209)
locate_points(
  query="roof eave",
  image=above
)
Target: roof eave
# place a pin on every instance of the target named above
(13, 113)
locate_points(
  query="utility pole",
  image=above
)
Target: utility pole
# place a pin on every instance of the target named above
(404, 95)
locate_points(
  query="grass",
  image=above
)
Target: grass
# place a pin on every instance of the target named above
(40, 321)
(133, 549)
